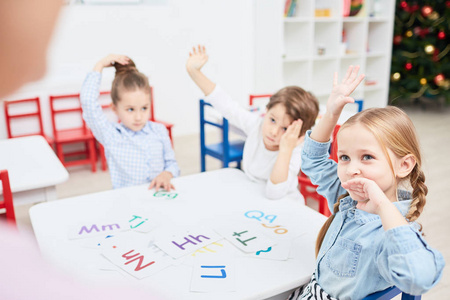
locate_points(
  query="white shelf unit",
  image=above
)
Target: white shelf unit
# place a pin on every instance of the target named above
(305, 50)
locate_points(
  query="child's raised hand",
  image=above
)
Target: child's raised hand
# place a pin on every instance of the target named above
(110, 60)
(197, 58)
(341, 91)
(368, 194)
(162, 181)
(289, 140)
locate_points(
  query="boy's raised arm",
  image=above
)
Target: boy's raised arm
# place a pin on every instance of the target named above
(195, 62)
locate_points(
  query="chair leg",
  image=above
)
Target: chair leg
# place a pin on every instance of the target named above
(203, 162)
(60, 153)
(239, 164)
(101, 151)
(92, 155)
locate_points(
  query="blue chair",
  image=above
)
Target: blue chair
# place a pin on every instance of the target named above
(389, 293)
(227, 151)
(360, 104)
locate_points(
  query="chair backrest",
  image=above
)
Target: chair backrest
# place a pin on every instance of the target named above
(333, 146)
(253, 97)
(25, 110)
(67, 108)
(7, 202)
(390, 293)
(224, 126)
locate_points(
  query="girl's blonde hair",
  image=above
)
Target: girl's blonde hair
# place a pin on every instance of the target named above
(128, 78)
(394, 130)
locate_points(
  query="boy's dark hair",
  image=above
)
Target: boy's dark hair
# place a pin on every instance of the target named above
(128, 78)
(299, 104)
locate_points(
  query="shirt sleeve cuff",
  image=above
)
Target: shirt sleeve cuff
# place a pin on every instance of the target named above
(313, 148)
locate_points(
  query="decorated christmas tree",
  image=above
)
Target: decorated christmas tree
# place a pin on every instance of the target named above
(420, 54)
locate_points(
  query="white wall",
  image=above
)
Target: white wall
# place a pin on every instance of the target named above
(158, 38)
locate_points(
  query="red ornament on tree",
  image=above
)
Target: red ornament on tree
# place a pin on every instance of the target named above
(398, 39)
(404, 5)
(426, 10)
(441, 35)
(439, 78)
(447, 3)
(408, 66)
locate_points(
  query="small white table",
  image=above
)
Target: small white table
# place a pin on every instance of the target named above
(200, 196)
(33, 168)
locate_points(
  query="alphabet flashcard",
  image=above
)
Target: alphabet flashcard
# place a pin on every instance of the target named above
(90, 229)
(180, 243)
(140, 263)
(246, 237)
(213, 274)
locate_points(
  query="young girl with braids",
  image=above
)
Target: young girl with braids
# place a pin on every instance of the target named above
(372, 240)
(137, 150)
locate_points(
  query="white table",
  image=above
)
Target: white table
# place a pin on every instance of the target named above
(200, 196)
(33, 168)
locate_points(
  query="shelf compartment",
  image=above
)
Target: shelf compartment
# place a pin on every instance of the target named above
(375, 72)
(295, 35)
(326, 39)
(378, 38)
(352, 40)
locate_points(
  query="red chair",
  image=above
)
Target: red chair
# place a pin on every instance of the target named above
(72, 134)
(309, 190)
(12, 113)
(107, 105)
(7, 202)
(253, 97)
(153, 119)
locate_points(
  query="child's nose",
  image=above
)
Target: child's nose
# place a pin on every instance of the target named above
(353, 170)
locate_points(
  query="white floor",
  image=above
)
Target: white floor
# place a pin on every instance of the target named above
(433, 127)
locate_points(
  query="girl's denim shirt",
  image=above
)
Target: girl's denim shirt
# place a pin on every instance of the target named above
(358, 257)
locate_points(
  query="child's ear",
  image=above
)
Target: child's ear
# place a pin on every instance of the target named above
(407, 164)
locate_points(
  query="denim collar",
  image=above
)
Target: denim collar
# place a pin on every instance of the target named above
(348, 209)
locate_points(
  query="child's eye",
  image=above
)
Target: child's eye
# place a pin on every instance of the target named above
(272, 120)
(130, 109)
(344, 158)
(144, 108)
(367, 157)
(284, 128)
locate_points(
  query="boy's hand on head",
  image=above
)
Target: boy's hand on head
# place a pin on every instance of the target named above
(110, 60)
(289, 140)
(341, 91)
(162, 181)
(197, 59)
(368, 194)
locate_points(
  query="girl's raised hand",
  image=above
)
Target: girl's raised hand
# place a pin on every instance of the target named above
(289, 140)
(197, 58)
(110, 60)
(368, 194)
(341, 91)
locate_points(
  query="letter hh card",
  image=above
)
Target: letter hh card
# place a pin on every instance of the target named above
(180, 243)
